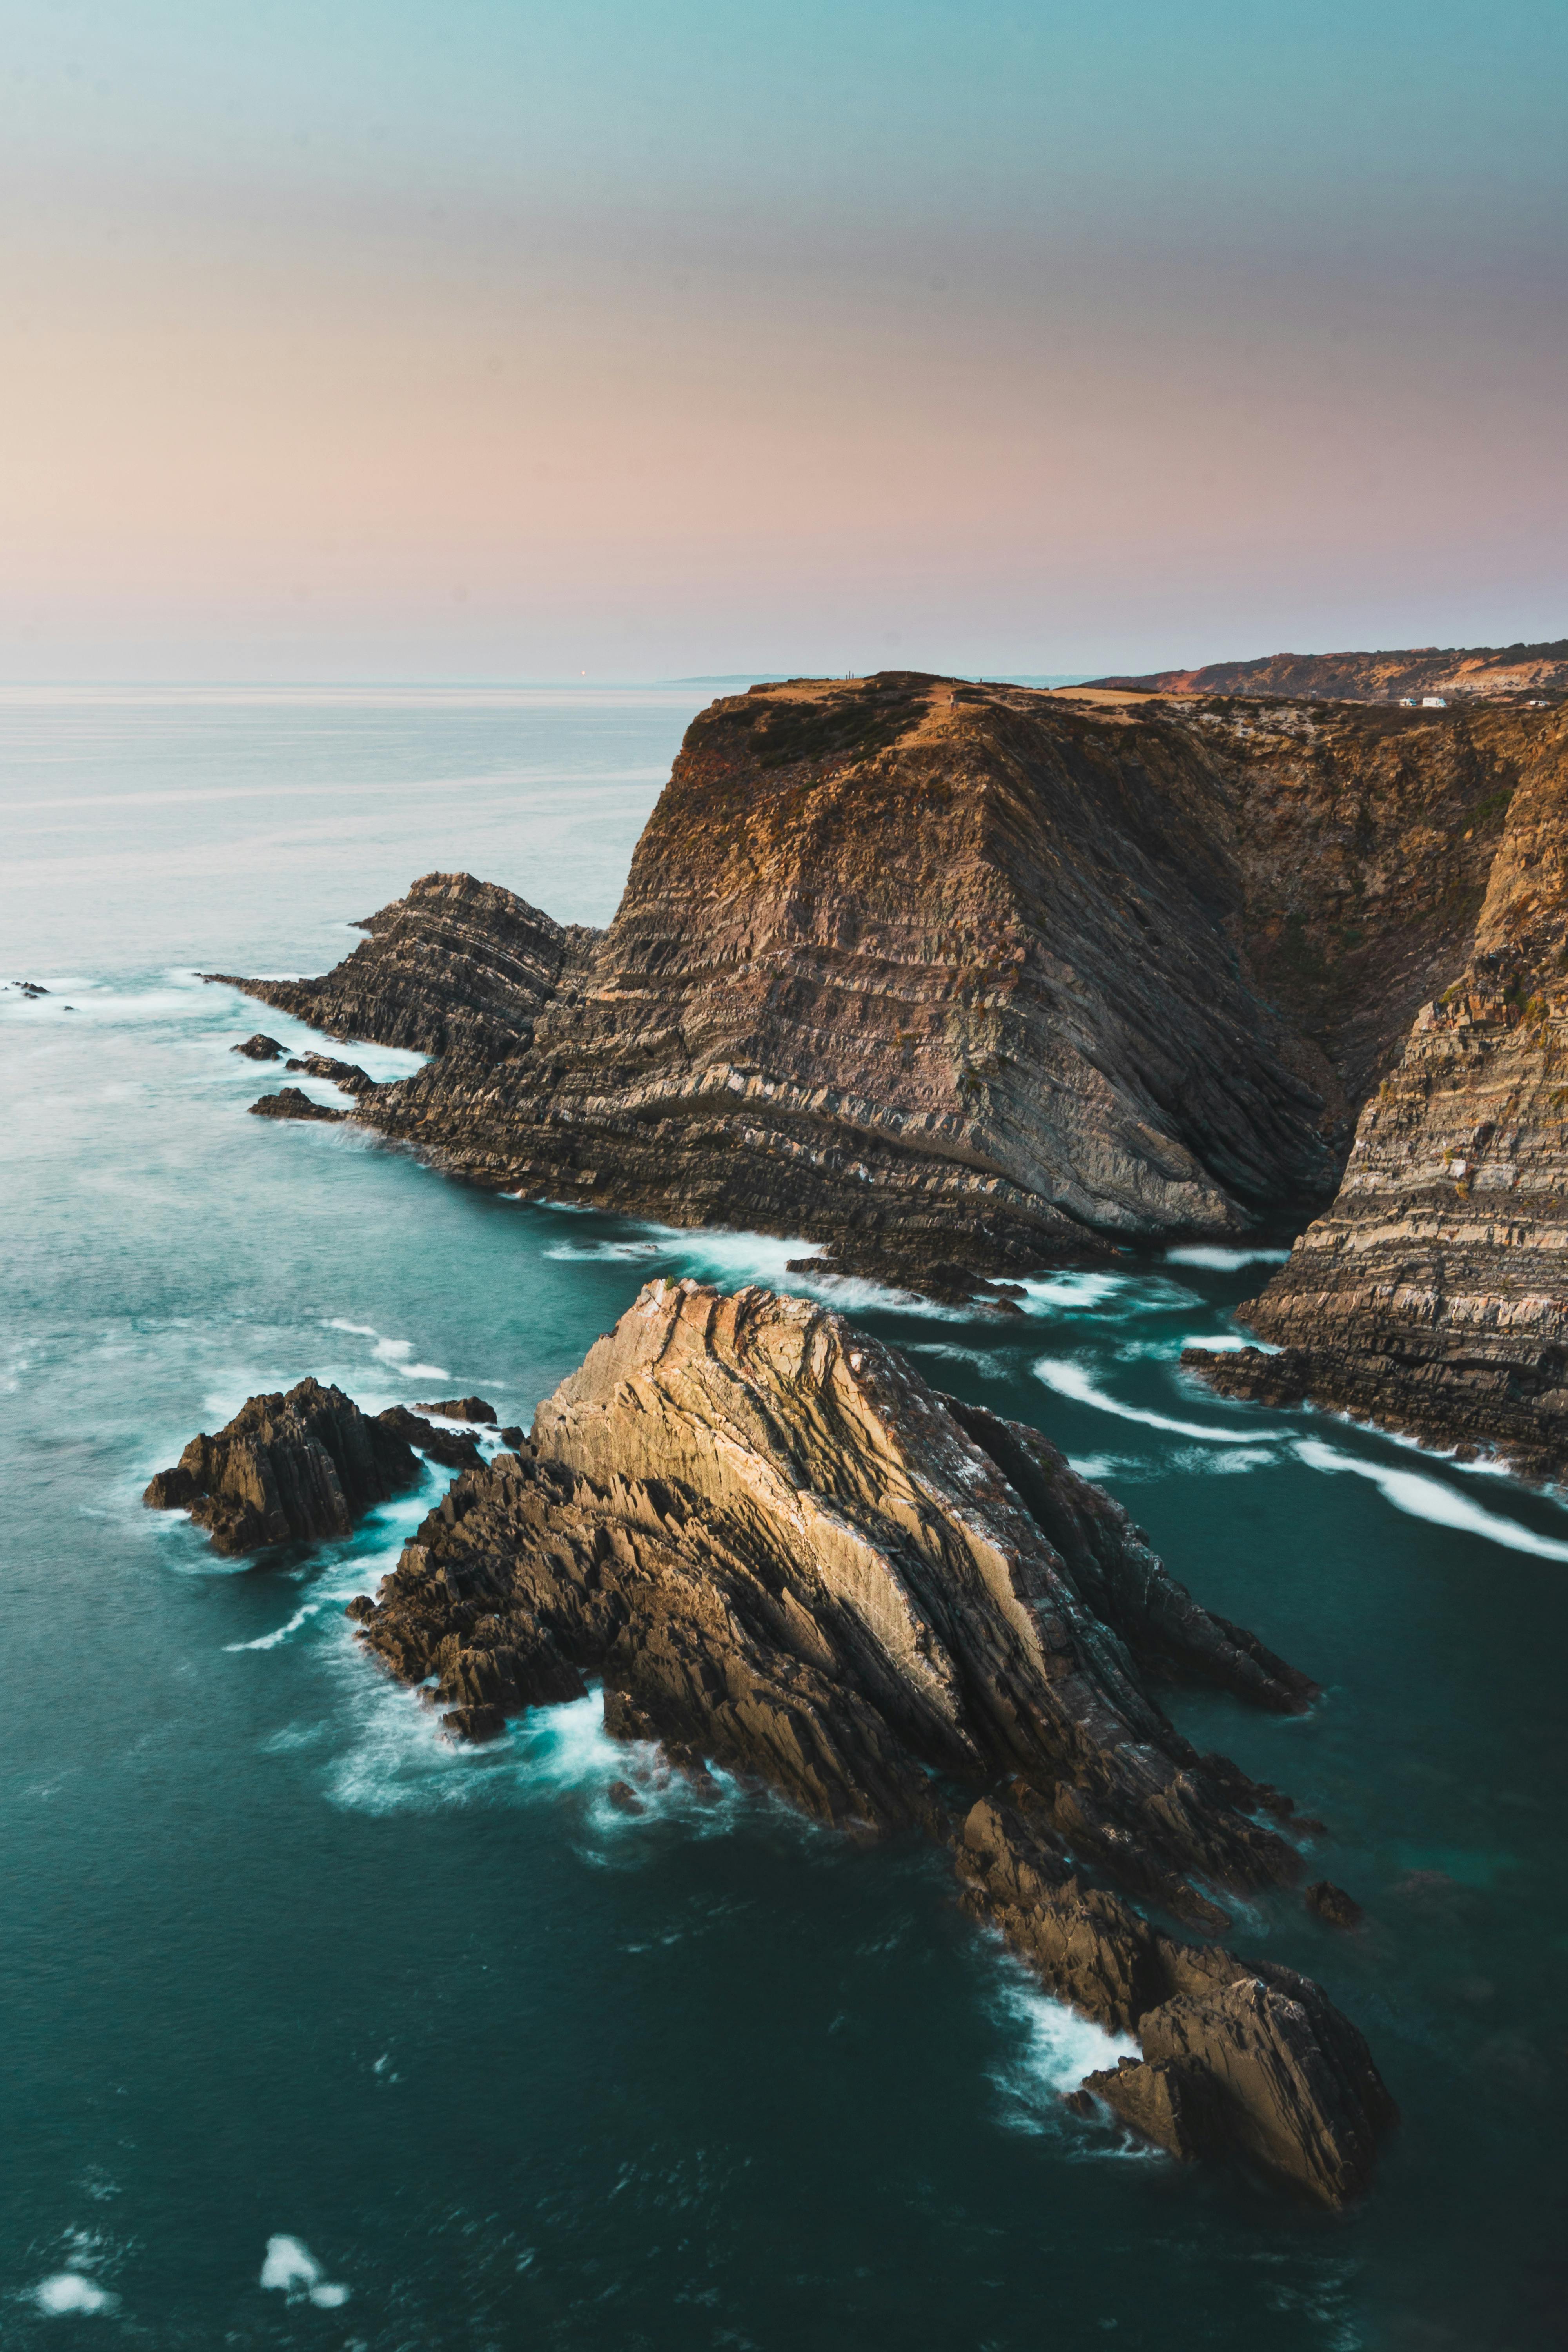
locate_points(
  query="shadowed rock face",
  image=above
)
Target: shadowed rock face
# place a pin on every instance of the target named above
(961, 981)
(1433, 1295)
(787, 1556)
(285, 1468)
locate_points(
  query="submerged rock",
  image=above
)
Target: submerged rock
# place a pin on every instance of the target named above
(287, 1467)
(1333, 1904)
(787, 1556)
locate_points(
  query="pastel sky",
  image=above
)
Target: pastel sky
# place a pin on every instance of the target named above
(384, 338)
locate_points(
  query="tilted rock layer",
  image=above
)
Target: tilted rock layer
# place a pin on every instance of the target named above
(787, 1556)
(958, 981)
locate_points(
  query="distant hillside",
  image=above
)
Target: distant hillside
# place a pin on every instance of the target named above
(1372, 678)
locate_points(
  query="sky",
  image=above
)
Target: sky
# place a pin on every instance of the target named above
(387, 340)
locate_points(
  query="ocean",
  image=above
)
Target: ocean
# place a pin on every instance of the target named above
(318, 2033)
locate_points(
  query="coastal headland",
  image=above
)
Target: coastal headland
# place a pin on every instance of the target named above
(961, 980)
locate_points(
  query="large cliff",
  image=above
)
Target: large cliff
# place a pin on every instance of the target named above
(955, 982)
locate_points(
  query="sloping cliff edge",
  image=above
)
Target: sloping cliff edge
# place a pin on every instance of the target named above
(960, 981)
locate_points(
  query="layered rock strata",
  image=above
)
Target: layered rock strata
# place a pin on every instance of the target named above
(785, 1556)
(1433, 1296)
(957, 983)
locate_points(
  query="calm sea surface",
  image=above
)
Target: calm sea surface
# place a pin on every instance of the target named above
(317, 2033)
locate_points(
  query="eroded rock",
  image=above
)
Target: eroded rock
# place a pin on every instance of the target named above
(787, 1556)
(289, 1102)
(287, 1467)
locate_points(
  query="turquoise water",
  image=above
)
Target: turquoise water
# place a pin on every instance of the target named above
(318, 2033)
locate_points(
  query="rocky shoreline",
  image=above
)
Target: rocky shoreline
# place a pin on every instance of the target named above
(787, 1557)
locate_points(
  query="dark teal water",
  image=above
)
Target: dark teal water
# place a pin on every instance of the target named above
(442, 2047)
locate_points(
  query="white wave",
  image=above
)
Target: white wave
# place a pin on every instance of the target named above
(395, 1352)
(1223, 1261)
(604, 1251)
(301, 1616)
(1062, 1292)
(1070, 1380)
(1100, 1466)
(947, 1352)
(67, 2293)
(400, 1763)
(1430, 1499)
(291, 2269)
(1055, 2049)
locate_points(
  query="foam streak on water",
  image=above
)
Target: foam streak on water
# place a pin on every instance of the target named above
(1070, 1380)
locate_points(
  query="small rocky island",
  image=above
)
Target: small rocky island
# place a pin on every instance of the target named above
(785, 1556)
(965, 981)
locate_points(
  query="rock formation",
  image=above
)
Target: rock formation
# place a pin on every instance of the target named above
(347, 1074)
(259, 1048)
(290, 1102)
(469, 1408)
(458, 967)
(785, 1556)
(960, 981)
(288, 1467)
(1451, 670)
(1433, 1296)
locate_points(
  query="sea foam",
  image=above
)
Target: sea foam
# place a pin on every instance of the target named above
(1430, 1498)
(1070, 1380)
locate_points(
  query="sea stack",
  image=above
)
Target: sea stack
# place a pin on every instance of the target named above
(787, 1556)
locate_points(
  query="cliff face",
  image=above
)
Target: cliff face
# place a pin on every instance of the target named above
(1433, 1295)
(1517, 669)
(787, 1556)
(945, 973)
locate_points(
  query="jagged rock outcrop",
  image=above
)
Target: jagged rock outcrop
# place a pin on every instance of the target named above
(259, 1048)
(285, 1468)
(787, 1556)
(293, 1102)
(453, 1448)
(458, 967)
(1516, 669)
(469, 1408)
